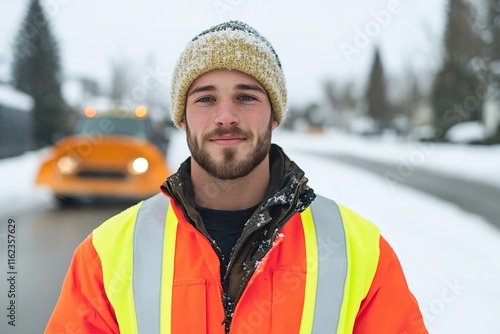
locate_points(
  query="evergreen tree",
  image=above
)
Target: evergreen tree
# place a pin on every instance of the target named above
(492, 30)
(376, 97)
(454, 94)
(493, 27)
(36, 71)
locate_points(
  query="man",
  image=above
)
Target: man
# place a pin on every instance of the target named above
(236, 242)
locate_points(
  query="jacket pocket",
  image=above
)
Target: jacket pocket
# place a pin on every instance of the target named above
(288, 298)
(189, 306)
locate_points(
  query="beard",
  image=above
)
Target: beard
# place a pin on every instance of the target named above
(230, 168)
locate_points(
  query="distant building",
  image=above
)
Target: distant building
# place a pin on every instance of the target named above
(16, 128)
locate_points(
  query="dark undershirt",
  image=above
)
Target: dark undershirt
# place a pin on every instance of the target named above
(225, 228)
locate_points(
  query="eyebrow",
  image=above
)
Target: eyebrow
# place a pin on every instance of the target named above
(207, 88)
(211, 88)
(250, 87)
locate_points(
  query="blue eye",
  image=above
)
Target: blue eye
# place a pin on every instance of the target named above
(205, 99)
(246, 98)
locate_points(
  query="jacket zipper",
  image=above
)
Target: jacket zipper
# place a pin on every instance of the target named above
(229, 304)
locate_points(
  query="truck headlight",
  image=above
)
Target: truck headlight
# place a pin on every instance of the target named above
(139, 166)
(67, 164)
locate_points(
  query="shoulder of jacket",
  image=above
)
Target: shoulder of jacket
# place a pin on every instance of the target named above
(351, 217)
(124, 221)
(119, 221)
(353, 222)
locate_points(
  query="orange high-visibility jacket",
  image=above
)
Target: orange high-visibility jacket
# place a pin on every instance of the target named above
(108, 291)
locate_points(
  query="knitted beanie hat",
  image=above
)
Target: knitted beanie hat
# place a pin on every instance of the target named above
(230, 45)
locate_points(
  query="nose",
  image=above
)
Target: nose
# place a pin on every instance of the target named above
(226, 113)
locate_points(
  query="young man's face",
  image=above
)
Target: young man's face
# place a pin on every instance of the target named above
(228, 123)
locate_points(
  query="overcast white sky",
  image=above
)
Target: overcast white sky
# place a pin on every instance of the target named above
(316, 40)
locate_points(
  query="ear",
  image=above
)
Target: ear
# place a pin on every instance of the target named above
(182, 123)
(274, 123)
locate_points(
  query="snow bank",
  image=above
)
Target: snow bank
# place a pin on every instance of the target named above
(15, 99)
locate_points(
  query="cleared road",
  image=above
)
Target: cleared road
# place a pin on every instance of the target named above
(475, 197)
(44, 244)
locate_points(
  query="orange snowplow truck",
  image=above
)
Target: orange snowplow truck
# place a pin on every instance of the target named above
(117, 154)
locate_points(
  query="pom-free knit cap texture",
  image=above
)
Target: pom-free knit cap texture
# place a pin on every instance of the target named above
(230, 45)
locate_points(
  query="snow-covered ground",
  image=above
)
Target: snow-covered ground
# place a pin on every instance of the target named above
(451, 258)
(474, 162)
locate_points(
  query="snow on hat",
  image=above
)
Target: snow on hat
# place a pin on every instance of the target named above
(229, 45)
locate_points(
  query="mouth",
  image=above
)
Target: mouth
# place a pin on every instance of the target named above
(227, 140)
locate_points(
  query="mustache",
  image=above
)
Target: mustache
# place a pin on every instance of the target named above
(233, 131)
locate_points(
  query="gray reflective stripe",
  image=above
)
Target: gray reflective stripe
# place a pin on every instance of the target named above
(332, 264)
(146, 280)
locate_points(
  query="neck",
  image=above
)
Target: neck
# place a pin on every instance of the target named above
(239, 194)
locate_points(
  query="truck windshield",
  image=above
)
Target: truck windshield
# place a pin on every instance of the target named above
(134, 127)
